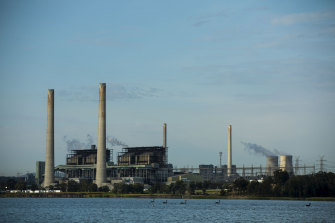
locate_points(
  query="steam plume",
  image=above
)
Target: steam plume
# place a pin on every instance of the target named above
(112, 141)
(258, 149)
(75, 144)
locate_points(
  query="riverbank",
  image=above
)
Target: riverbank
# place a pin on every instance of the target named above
(153, 196)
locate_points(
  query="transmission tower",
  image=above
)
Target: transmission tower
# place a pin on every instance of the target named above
(296, 171)
(322, 163)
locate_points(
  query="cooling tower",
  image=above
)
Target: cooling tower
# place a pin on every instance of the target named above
(271, 165)
(49, 158)
(101, 176)
(286, 163)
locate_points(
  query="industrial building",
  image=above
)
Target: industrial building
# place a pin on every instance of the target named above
(137, 164)
(147, 163)
(40, 168)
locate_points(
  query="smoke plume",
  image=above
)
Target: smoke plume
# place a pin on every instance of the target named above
(112, 141)
(258, 149)
(75, 144)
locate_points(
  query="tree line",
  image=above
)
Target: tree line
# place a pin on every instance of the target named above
(320, 184)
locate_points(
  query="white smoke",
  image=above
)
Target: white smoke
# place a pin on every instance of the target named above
(75, 144)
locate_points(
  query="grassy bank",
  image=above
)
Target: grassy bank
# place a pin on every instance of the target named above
(153, 196)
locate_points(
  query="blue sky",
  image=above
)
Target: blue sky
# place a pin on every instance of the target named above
(266, 67)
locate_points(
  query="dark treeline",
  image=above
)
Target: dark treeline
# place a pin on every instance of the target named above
(14, 183)
(281, 184)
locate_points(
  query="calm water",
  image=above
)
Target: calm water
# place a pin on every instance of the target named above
(143, 210)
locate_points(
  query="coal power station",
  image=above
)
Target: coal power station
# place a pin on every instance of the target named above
(139, 164)
(145, 164)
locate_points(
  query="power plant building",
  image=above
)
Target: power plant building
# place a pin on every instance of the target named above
(271, 165)
(286, 163)
(147, 163)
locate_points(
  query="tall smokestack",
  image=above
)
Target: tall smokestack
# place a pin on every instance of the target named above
(101, 176)
(164, 143)
(164, 135)
(49, 159)
(229, 150)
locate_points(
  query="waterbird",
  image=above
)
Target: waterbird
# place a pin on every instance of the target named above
(218, 202)
(153, 201)
(307, 205)
(165, 202)
(183, 202)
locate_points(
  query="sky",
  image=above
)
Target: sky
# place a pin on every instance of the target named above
(265, 67)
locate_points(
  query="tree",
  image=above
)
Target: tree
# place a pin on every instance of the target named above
(205, 186)
(265, 188)
(280, 177)
(240, 185)
(72, 186)
(191, 187)
(34, 187)
(93, 187)
(20, 185)
(11, 184)
(253, 187)
(180, 187)
(138, 188)
(62, 187)
(172, 188)
(104, 189)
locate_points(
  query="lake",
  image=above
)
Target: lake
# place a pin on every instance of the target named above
(144, 210)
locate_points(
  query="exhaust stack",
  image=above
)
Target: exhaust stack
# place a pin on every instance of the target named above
(49, 177)
(164, 135)
(101, 176)
(229, 151)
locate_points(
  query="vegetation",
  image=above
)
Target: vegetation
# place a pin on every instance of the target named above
(122, 188)
(320, 185)
(282, 185)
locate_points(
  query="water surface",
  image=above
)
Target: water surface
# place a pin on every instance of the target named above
(144, 210)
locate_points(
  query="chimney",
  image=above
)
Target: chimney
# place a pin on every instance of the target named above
(164, 135)
(229, 151)
(101, 176)
(49, 159)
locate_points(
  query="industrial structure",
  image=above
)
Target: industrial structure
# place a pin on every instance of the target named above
(101, 177)
(229, 162)
(271, 165)
(49, 177)
(40, 169)
(286, 163)
(146, 165)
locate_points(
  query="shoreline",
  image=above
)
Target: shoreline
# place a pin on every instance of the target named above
(155, 196)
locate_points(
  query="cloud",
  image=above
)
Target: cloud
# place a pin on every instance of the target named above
(201, 22)
(204, 19)
(302, 18)
(114, 92)
(270, 44)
